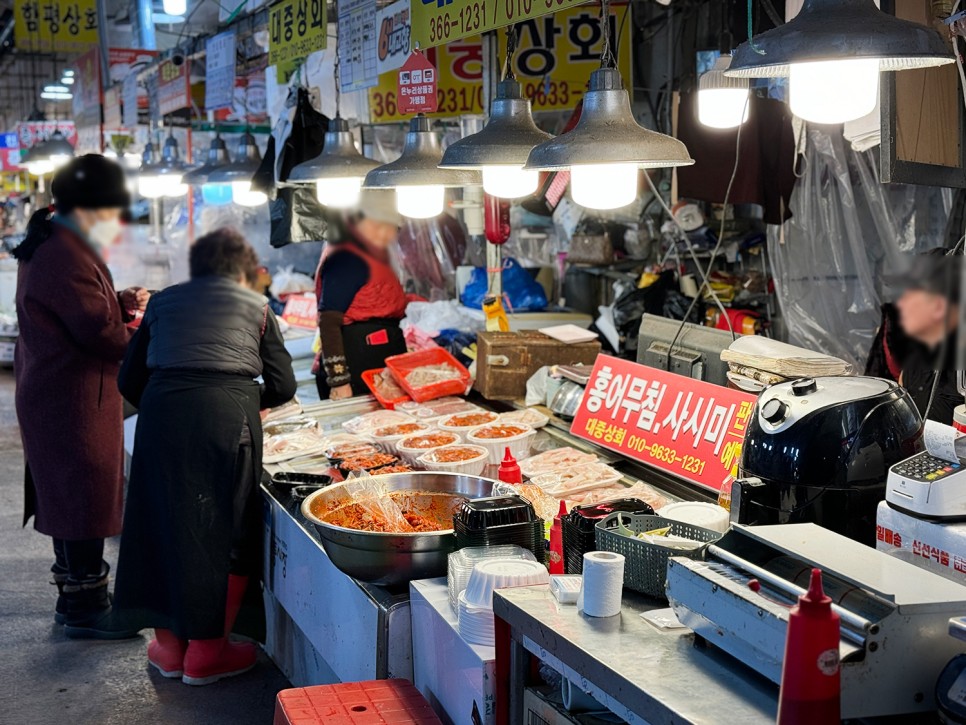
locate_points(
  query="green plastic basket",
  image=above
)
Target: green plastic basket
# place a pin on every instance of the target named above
(645, 565)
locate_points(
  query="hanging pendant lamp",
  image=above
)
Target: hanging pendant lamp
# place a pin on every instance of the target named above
(419, 182)
(239, 173)
(607, 147)
(217, 158)
(338, 172)
(502, 147)
(162, 177)
(33, 164)
(832, 53)
(57, 149)
(722, 101)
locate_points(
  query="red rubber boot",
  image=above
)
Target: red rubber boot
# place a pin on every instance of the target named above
(210, 660)
(166, 653)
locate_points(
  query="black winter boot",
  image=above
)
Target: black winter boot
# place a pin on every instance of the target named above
(89, 614)
(60, 610)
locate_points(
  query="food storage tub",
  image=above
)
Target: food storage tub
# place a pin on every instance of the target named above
(412, 447)
(402, 365)
(369, 378)
(519, 444)
(470, 467)
(473, 419)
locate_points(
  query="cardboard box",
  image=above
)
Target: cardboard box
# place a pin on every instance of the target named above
(543, 706)
(506, 360)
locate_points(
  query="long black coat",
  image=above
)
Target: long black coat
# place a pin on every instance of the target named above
(193, 494)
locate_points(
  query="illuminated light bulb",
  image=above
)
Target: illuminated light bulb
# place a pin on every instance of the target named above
(58, 160)
(420, 202)
(40, 168)
(509, 182)
(833, 91)
(242, 194)
(722, 107)
(339, 193)
(175, 7)
(151, 187)
(603, 186)
(216, 194)
(176, 189)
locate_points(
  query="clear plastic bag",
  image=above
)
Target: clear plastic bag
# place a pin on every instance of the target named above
(370, 494)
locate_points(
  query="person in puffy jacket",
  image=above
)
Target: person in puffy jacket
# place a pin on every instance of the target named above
(361, 300)
(192, 531)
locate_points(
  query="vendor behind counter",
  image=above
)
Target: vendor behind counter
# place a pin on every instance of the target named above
(929, 314)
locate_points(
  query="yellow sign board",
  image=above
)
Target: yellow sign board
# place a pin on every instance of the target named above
(55, 26)
(437, 22)
(297, 28)
(554, 59)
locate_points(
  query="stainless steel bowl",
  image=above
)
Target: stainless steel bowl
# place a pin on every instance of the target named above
(391, 559)
(567, 399)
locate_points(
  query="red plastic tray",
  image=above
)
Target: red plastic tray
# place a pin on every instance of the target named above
(369, 378)
(401, 365)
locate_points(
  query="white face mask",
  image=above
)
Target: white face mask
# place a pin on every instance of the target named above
(104, 233)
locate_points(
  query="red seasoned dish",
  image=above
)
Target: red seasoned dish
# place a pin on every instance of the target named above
(456, 454)
(368, 463)
(431, 440)
(403, 429)
(495, 432)
(471, 420)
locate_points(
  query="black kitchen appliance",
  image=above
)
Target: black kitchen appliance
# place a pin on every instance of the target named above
(819, 450)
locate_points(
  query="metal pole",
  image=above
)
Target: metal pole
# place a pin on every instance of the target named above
(141, 10)
(104, 43)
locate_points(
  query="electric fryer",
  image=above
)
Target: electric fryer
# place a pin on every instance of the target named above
(818, 450)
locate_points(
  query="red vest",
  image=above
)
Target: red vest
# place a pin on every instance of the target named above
(382, 297)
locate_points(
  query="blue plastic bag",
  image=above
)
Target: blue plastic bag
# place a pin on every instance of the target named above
(523, 292)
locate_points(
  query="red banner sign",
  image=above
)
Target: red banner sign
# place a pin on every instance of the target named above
(174, 87)
(417, 85)
(687, 427)
(302, 311)
(31, 133)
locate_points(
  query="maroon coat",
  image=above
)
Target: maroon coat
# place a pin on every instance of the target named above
(72, 339)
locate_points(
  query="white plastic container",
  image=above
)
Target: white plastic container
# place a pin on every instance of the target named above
(705, 515)
(451, 423)
(528, 416)
(519, 445)
(412, 447)
(470, 467)
(386, 438)
(493, 574)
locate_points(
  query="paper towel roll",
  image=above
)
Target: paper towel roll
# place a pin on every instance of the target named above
(576, 700)
(603, 584)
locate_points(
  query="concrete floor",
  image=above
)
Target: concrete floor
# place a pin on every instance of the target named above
(46, 678)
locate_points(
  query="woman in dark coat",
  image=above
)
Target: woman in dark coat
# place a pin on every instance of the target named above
(72, 339)
(192, 530)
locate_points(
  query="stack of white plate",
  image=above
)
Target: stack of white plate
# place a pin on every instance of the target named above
(461, 563)
(476, 601)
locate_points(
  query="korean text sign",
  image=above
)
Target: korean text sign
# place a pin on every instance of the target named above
(554, 59)
(437, 22)
(297, 28)
(55, 26)
(174, 87)
(687, 427)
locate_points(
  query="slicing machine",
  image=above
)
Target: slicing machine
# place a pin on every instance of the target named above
(894, 616)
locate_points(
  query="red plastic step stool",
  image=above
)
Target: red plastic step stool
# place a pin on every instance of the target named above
(377, 702)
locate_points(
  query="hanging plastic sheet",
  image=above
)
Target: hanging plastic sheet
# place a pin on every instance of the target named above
(427, 255)
(847, 231)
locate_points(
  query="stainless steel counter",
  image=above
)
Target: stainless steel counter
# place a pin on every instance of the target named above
(642, 674)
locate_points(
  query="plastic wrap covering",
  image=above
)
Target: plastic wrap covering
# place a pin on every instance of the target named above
(846, 232)
(428, 253)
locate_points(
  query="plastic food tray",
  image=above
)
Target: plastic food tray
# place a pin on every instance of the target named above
(645, 565)
(369, 378)
(402, 365)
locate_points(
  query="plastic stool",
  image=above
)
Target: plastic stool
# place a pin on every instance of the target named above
(377, 702)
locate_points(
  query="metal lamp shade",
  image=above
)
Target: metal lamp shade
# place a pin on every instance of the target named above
(56, 145)
(717, 79)
(608, 134)
(247, 160)
(840, 30)
(217, 158)
(506, 139)
(339, 158)
(419, 163)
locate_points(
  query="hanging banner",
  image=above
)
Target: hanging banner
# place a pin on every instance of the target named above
(113, 117)
(393, 29)
(220, 71)
(296, 29)
(32, 132)
(174, 87)
(555, 57)
(417, 85)
(687, 427)
(55, 26)
(357, 45)
(250, 101)
(131, 100)
(87, 101)
(437, 22)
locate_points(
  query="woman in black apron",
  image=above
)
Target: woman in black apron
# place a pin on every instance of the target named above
(192, 534)
(361, 300)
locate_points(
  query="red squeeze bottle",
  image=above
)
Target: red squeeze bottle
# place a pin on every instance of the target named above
(556, 541)
(811, 686)
(510, 469)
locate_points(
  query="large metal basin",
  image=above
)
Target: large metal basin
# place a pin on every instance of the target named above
(392, 559)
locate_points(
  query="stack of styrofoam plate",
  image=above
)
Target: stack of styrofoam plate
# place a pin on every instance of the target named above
(461, 563)
(476, 602)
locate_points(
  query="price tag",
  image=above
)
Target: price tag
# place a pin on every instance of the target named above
(690, 428)
(417, 85)
(302, 311)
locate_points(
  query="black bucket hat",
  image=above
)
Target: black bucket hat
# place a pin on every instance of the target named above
(90, 182)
